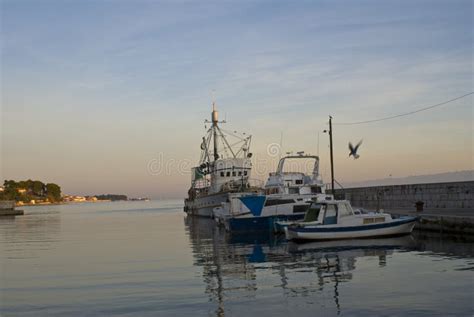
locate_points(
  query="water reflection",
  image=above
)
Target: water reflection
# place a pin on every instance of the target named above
(232, 263)
(452, 245)
(24, 236)
(95, 259)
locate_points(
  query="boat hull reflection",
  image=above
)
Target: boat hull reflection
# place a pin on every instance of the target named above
(240, 265)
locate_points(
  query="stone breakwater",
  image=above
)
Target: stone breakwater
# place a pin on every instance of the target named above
(447, 207)
(456, 195)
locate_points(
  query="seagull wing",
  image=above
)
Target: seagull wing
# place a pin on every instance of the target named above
(351, 147)
(358, 144)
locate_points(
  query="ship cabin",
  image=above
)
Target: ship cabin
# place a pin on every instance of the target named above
(340, 212)
(298, 183)
(222, 175)
(230, 174)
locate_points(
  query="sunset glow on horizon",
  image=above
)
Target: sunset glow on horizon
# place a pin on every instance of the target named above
(111, 97)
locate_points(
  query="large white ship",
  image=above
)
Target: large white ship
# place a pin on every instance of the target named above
(224, 169)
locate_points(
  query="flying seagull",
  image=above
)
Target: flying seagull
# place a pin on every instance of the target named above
(354, 150)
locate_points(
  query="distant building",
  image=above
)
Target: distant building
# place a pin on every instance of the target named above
(73, 198)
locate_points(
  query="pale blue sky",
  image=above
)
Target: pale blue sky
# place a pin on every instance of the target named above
(94, 90)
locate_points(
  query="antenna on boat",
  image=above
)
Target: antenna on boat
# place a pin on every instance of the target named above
(331, 153)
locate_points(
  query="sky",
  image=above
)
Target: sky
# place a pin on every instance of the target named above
(111, 96)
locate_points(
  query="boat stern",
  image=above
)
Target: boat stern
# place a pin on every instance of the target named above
(291, 233)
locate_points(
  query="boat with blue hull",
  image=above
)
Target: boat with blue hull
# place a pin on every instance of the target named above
(261, 223)
(336, 219)
(287, 197)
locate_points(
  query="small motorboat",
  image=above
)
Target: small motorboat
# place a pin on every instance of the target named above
(335, 219)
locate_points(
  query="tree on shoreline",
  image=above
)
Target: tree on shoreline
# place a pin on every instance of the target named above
(53, 192)
(28, 190)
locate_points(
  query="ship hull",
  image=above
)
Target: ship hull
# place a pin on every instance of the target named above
(203, 206)
(262, 212)
(332, 232)
(267, 223)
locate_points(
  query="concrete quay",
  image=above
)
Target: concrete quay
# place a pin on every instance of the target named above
(11, 212)
(458, 221)
(447, 207)
(7, 208)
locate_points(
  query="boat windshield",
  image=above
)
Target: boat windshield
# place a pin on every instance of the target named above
(344, 209)
(330, 218)
(313, 213)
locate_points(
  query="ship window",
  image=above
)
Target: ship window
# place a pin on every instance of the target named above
(313, 213)
(343, 210)
(245, 173)
(233, 173)
(292, 190)
(270, 191)
(316, 190)
(374, 220)
(240, 173)
(222, 174)
(331, 215)
(299, 181)
(274, 202)
(228, 174)
(300, 208)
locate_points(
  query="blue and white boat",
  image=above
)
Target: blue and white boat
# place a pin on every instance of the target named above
(287, 196)
(331, 220)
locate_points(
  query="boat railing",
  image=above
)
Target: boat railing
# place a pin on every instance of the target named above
(287, 173)
(255, 183)
(243, 185)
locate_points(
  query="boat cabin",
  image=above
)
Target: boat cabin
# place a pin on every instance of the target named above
(340, 212)
(298, 183)
(230, 174)
(222, 175)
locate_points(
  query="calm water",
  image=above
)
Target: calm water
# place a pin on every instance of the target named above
(147, 259)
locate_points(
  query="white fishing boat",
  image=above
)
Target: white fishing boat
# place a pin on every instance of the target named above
(287, 195)
(223, 170)
(336, 219)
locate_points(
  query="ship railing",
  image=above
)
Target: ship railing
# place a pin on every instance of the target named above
(255, 183)
(243, 185)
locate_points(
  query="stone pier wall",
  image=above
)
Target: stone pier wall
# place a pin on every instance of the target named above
(7, 204)
(436, 195)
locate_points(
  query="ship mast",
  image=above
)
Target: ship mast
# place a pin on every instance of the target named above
(215, 120)
(216, 135)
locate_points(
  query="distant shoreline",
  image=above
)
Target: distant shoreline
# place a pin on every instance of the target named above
(20, 204)
(63, 203)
